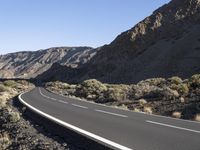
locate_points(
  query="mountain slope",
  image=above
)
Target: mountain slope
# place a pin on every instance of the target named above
(165, 44)
(30, 64)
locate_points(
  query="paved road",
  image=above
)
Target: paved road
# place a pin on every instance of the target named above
(115, 128)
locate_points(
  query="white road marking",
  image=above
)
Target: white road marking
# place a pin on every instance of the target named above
(74, 128)
(168, 117)
(54, 99)
(106, 112)
(62, 102)
(46, 96)
(172, 126)
(79, 106)
(143, 113)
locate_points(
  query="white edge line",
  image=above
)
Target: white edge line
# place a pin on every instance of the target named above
(172, 126)
(79, 106)
(79, 130)
(106, 112)
(143, 113)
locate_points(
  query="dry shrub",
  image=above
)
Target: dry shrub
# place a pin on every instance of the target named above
(10, 83)
(148, 110)
(92, 87)
(176, 114)
(4, 141)
(175, 80)
(197, 117)
(182, 100)
(3, 88)
(136, 110)
(182, 89)
(116, 93)
(14, 117)
(195, 81)
(170, 93)
(152, 82)
(142, 102)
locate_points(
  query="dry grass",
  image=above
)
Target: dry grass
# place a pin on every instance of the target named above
(2, 103)
(148, 110)
(142, 102)
(124, 107)
(197, 117)
(10, 83)
(4, 141)
(136, 110)
(175, 80)
(182, 100)
(3, 88)
(176, 114)
(14, 117)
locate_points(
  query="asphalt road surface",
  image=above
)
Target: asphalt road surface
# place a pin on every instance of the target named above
(118, 129)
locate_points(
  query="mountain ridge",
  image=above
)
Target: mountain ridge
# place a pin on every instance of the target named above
(171, 30)
(28, 64)
(164, 44)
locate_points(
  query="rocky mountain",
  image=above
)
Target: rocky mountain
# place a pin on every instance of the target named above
(165, 44)
(30, 64)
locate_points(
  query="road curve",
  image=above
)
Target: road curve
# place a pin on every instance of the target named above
(112, 127)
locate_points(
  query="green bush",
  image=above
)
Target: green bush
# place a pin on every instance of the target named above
(195, 81)
(117, 92)
(14, 117)
(146, 91)
(153, 81)
(175, 80)
(170, 93)
(182, 89)
(92, 87)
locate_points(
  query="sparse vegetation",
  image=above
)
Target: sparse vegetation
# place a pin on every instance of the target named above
(14, 117)
(2, 88)
(116, 92)
(10, 83)
(142, 102)
(157, 95)
(148, 110)
(4, 141)
(9, 89)
(175, 80)
(180, 88)
(197, 117)
(176, 114)
(136, 110)
(91, 89)
(195, 81)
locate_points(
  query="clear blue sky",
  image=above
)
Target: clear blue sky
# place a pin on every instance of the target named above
(40, 24)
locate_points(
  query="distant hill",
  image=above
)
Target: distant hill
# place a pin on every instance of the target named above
(165, 44)
(30, 64)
